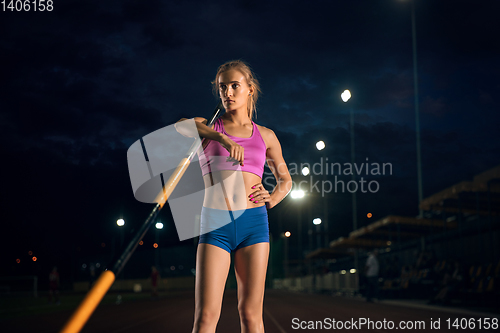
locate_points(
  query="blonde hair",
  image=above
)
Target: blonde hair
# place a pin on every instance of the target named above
(252, 81)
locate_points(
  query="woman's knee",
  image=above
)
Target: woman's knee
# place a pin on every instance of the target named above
(250, 315)
(206, 317)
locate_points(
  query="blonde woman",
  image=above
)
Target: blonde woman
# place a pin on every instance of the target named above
(236, 140)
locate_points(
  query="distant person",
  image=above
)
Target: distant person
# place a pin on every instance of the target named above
(371, 270)
(54, 285)
(155, 276)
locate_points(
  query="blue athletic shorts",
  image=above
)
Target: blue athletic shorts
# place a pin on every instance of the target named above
(239, 228)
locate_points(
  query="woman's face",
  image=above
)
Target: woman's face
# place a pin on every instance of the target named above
(234, 90)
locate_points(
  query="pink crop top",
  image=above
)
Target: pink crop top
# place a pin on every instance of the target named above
(214, 155)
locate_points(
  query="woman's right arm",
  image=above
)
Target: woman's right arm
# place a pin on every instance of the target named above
(204, 131)
(236, 152)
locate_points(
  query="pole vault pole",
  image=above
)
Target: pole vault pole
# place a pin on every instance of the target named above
(106, 279)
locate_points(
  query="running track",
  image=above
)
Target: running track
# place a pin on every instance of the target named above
(175, 314)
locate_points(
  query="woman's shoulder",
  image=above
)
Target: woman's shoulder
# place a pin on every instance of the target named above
(264, 131)
(269, 136)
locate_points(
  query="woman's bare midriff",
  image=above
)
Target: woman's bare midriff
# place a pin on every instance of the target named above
(231, 193)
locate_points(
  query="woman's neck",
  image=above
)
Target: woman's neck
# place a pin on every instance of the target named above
(237, 117)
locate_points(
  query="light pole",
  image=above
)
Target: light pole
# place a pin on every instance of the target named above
(305, 172)
(297, 195)
(158, 226)
(320, 145)
(317, 222)
(120, 223)
(416, 102)
(286, 235)
(346, 96)
(417, 113)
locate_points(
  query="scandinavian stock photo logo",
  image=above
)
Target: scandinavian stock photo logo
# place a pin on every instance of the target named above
(324, 177)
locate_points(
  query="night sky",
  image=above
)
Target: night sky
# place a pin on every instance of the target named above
(80, 84)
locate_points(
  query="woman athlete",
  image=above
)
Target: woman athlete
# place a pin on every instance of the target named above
(240, 141)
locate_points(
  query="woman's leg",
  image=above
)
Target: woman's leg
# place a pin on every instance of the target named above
(250, 265)
(212, 266)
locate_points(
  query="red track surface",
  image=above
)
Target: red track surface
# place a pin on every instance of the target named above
(175, 314)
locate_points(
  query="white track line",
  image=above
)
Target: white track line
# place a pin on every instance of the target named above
(274, 321)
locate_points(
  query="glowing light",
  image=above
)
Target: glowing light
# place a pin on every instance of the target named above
(320, 145)
(288, 234)
(297, 194)
(30, 253)
(18, 260)
(305, 171)
(343, 271)
(346, 95)
(120, 222)
(34, 258)
(155, 245)
(159, 225)
(141, 242)
(352, 270)
(369, 215)
(389, 243)
(317, 221)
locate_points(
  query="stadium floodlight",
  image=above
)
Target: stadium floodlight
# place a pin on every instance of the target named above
(297, 194)
(320, 145)
(346, 95)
